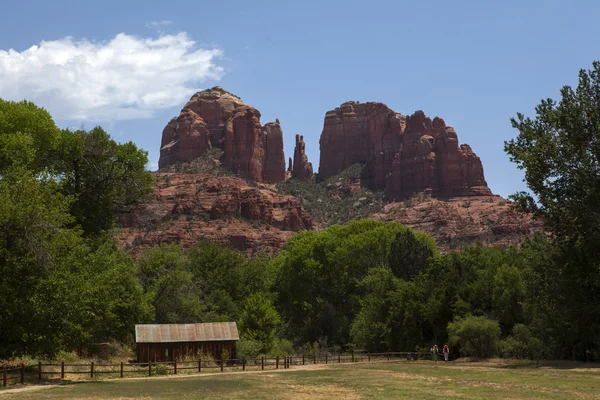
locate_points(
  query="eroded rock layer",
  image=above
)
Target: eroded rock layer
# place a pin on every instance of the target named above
(404, 154)
(186, 208)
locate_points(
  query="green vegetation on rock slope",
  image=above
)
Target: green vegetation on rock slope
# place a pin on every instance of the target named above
(337, 200)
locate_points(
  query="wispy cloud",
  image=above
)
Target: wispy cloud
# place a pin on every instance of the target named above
(158, 24)
(125, 78)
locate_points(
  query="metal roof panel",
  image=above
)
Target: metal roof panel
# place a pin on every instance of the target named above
(206, 332)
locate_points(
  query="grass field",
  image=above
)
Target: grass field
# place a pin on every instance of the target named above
(385, 380)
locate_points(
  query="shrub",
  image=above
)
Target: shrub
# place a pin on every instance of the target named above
(224, 355)
(522, 344)
(281, 348)
(474, 336)
(160, 369)
(248, 348)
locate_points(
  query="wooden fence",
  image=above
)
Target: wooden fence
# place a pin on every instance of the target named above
(60, 371)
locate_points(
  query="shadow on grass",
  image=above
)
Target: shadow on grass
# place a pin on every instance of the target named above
(525, 364)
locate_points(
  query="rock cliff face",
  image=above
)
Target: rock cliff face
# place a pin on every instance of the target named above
(215, 118)
(186, 208)
(302, 169)
(404, 155)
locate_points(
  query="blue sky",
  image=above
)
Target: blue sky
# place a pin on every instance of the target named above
(474, 63)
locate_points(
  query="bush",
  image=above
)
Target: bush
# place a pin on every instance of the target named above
(474, 336)
(248, 349)
(224, 355)
(160, 369)
(522, 344)
(281, 348)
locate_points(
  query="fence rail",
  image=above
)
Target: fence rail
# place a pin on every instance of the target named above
(44, 371)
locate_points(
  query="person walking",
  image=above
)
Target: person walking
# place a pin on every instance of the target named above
(435, 352)
(446, 352)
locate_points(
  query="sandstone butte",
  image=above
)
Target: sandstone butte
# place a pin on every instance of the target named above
(431, 183)
(217, 119)
(404, 155)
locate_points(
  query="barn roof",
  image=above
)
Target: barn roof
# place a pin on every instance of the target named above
(186, 332)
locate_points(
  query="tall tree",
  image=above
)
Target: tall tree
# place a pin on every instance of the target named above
(560, 152)
(409, 253)
(103, 176)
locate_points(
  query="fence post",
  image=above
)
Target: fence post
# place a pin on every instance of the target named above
(302, 359)
(121, 369)
(221, 365)
(92, 370)
(388, 354)
(62, 370)
(4, 377)
(369, 356)
(352, 355)
(277, 362)
(22, 373)
(262, 363)
(291, 362)
(243, 364)
(149, 368)
(175, 367)
(339, 358)
(39, 371)
(325, 358)
(199, 365)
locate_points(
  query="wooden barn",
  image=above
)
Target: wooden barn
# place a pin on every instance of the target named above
(169, 342)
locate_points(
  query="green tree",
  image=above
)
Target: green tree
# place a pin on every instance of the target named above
(40, 301)
(508, 297)
(28, 136)
(370, 329)
(559, 150)
(103, 176)
(319, 276)
(114, 300)
(259, 321)
(475, 336)
(168, 285)
(409, 253)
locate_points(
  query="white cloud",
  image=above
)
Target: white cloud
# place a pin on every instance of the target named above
(152, 166)
(125, 78)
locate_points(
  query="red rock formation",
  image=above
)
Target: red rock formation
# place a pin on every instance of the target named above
(186, 208)
(302, 169)
(215, 118)
(404, 155)
(460, 221)
(357, 133)
(274, 170)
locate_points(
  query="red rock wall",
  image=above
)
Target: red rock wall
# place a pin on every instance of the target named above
(404, 155)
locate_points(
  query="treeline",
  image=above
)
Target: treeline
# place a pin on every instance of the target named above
(64, 284)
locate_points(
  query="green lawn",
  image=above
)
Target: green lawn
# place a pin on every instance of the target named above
(401, 380)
